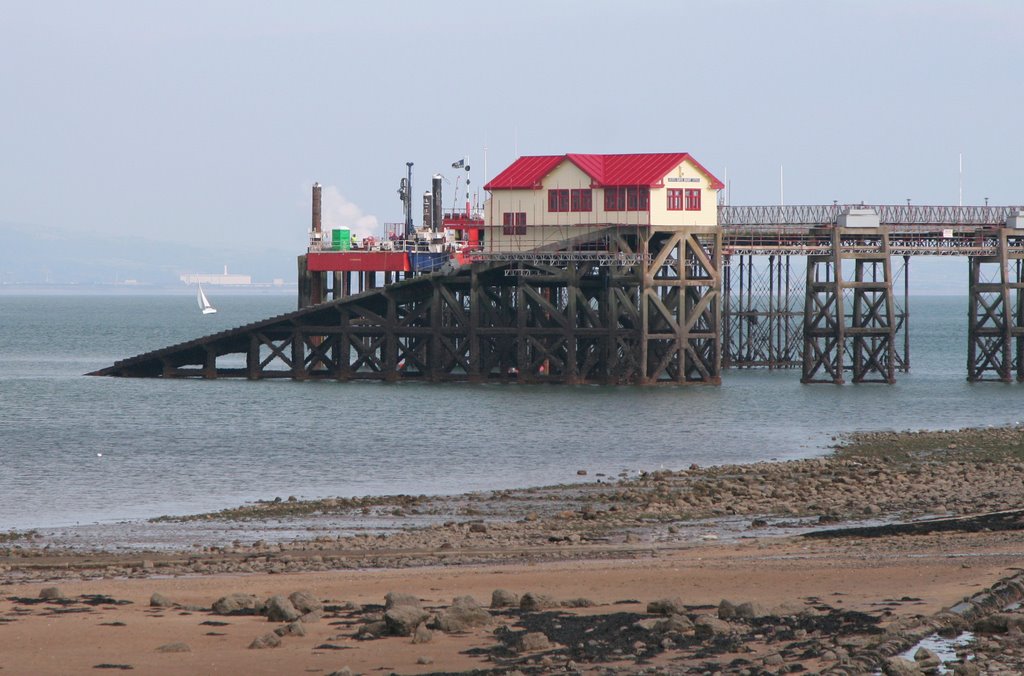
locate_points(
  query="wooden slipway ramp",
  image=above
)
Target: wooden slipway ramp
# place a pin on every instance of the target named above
(570, 322)
(642, 310)
(277, 346)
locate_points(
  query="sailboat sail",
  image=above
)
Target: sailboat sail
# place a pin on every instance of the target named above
(204, 302)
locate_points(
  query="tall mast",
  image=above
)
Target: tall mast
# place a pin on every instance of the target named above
(316, 226)
(408, 202)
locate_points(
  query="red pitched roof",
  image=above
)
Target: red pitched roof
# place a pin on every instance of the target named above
(604, 170)
(525, 173)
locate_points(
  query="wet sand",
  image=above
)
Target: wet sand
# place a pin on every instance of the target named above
(600, 552)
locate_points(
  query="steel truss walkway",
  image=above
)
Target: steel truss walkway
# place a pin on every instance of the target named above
(850, 319)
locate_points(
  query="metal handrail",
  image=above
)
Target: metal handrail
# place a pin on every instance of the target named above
(888, 214)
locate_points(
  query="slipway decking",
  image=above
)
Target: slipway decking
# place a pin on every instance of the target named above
(647, 315)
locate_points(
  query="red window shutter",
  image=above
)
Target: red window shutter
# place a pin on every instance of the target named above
(693, 199)
(675, 199)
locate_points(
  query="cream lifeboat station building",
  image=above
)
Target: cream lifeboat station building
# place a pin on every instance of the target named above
(541, 200)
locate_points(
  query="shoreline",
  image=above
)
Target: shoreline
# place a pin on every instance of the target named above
(600, 552)
(282, 520)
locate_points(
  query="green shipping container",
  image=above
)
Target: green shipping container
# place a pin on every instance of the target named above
(341, 239)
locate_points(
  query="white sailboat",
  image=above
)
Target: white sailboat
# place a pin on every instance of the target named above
(204, 302)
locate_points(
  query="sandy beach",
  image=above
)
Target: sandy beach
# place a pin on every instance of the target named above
(835, 564)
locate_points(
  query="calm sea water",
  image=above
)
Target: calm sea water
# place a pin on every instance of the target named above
(175, 447)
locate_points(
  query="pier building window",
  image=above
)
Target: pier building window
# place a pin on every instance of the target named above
(570, 200)
(581, 200)
(693, 199)
(513, 223)
(627, 198)
(675, 199)
(558, 200)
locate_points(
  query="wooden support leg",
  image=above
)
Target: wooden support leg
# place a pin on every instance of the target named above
(336, 290)
(252, 358)
(824, 337)
(304, 284)
(990, 330)
(874, 320)
(210, 363)
(298, 355)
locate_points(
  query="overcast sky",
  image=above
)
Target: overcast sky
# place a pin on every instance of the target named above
(206, 122)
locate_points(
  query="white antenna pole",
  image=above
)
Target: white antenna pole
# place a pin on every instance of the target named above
(726, 191)
(515, 141)
(961, 179)
(782, 193)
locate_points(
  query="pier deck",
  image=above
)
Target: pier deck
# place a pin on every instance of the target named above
(650, 305)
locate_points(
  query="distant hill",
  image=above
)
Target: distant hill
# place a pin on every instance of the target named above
(29, 256)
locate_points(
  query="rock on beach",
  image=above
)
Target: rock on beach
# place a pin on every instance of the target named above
(503, 598)
(280, 609)
(238, 604)
(464, 613)
(403, 620)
